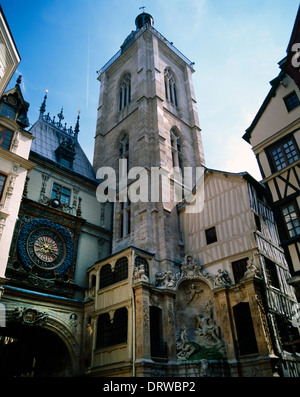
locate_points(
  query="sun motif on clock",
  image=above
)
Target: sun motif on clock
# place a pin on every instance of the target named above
(45, 248)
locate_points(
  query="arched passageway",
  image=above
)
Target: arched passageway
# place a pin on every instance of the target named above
(32, 351)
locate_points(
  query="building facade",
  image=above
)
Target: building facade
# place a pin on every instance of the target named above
(146, 264)
(175, 295)
(60, 231)
(15, 144)
(275, 139)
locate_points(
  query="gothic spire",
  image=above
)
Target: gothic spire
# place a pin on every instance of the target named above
(43, 105)
(76, 130)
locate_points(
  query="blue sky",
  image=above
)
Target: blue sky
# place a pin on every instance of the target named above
(235, 44)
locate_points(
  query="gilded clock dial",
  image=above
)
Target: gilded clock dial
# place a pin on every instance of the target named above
(45, 248)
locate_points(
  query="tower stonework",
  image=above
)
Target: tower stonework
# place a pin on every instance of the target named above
(147, 116)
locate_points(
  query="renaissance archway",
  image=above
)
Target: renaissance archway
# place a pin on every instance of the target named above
(33, 351)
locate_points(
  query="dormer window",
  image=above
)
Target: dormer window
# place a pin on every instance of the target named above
(65, 153)
(8, 111)
(5, 137)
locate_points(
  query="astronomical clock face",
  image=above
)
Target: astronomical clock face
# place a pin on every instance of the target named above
(45, 248)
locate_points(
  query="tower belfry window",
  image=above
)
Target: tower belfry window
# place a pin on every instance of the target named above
(177, 160)
(170, 87)
(125, 91)
(124, 150)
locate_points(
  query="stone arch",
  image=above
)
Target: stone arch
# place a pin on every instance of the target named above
(38, 344)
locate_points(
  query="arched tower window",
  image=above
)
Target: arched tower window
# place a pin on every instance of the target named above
(125, 218)
(124, 211)
(124, 152)
(125, 91)
(177, 157)
(124, 146)
(170, 87)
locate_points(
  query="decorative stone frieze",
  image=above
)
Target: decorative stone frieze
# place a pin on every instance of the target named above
(28, 316)
(191, 270)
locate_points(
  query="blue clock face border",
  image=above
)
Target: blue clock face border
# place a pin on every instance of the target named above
(45, 248)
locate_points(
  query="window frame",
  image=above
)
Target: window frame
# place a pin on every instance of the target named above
(239, 268)
(213, 238)
(58, 193)
(294, 102)
(109, 276)
(3, 133)
(272, 275)
(279, 145)
(8, 111)
(2, 185)
(125, 219)
(170, 87)
(297, 214)
(110, 333)
(176, 145)
(124, 97)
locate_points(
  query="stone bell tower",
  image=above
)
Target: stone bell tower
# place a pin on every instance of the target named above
(147, 118)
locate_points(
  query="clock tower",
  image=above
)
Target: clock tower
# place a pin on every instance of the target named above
(147, 122)
(147, 137)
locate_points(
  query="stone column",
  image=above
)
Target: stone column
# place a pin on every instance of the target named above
(142, 322)
(169, 325)
(259, 318)
(224, 320)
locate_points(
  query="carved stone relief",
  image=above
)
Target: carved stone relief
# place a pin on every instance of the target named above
(191, 270)
(198, 334)
(27, 316)
(139, 274)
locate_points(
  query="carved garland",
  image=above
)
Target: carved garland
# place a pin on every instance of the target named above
(191, 270)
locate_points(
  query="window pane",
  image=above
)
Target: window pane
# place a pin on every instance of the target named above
(121, 269)
(211, 235)
(5, 138)
(291, 101)
(2, 183)
(119, 331)
(291, 218)
(103, 331)
(8, 111)
(284, 154)
(62, 193)
(106, 276)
